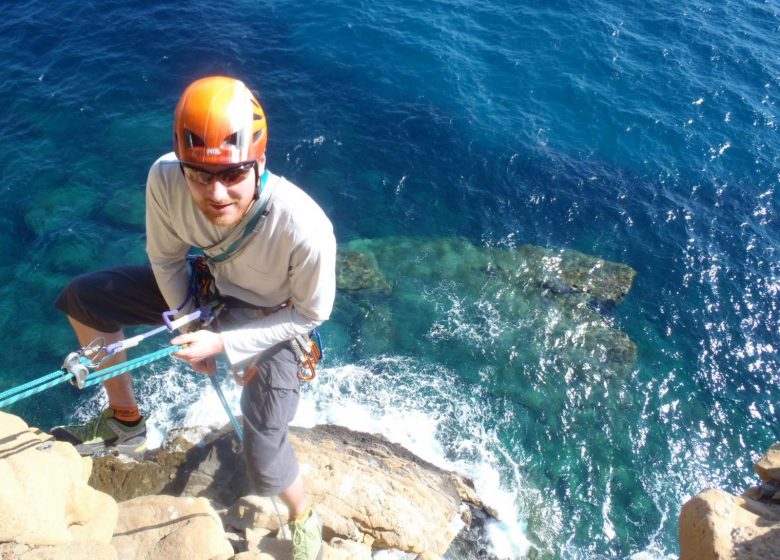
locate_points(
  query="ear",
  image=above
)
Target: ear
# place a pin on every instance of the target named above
(261, 164)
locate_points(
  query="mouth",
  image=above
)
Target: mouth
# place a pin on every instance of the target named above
(220, 207)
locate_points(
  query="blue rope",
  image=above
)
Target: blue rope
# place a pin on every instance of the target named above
(20, 388)
(129, 365)
(226, 406)
(60, 376)
(17, 395)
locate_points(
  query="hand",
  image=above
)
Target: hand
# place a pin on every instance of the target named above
(199, 349)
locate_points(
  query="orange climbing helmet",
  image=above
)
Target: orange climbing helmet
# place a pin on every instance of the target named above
(219, 121)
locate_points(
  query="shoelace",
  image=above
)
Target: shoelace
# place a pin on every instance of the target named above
(96, 424)
(298, 540)
(297, 536)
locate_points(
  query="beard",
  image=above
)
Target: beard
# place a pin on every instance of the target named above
(225, 214)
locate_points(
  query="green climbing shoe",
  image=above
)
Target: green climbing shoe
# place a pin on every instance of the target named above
(307, 538)
(104, 433)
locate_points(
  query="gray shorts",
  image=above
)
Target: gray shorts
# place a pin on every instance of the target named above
(269, 402)
(128, 296)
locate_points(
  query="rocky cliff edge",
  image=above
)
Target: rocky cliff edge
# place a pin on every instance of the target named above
(716, 525)
(190, 499)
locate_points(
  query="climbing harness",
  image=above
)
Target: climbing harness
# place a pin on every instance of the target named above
(92, 356)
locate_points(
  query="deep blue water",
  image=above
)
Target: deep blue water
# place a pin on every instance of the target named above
(646, 135)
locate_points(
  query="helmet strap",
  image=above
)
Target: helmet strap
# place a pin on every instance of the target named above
(259, 172)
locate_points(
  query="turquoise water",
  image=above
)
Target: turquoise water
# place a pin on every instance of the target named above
(646, 135)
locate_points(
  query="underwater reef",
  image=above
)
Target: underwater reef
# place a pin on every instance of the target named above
(528, 304)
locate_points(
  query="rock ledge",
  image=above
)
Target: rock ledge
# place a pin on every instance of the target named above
(715, 525)
(190, 499)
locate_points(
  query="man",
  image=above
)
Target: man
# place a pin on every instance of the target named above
(271, 251)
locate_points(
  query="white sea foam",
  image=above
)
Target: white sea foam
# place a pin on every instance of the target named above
(410, 408)
(652, 553)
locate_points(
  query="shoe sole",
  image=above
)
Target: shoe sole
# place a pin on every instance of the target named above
(126, 448)
(131, 446)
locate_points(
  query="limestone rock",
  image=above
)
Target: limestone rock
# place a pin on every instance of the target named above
(342, 549)
(768, 466)
(174, 528)
(191, 462)
(270, 548)
(77, 550)
(251, 555)
(129, 477)
(274, 549)
(427, 556)
(715, 525)
(44, 496)
(362, 485)
(254, 511)
(253, 537)
(387, 486)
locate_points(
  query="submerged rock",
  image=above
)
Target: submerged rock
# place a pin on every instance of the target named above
(565, 271)
(401, 293)
(359, 271)
(57, 209)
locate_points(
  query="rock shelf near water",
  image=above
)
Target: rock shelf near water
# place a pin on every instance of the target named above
(190, 499)
(716, 525)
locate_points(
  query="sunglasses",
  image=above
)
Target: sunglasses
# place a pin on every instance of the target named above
(229, 176)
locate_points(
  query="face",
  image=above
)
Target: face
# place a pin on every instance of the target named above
(224, 193)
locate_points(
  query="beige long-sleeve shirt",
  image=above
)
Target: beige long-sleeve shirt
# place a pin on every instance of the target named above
(291, 255)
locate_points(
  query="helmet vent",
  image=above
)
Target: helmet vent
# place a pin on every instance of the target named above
(234, 139)
(193, 140)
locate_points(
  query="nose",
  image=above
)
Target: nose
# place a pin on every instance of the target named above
(217, 189)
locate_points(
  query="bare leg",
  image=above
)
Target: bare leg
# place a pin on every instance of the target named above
(294, 498)
(119, 389)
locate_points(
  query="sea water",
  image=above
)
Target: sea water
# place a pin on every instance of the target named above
(641, 134)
